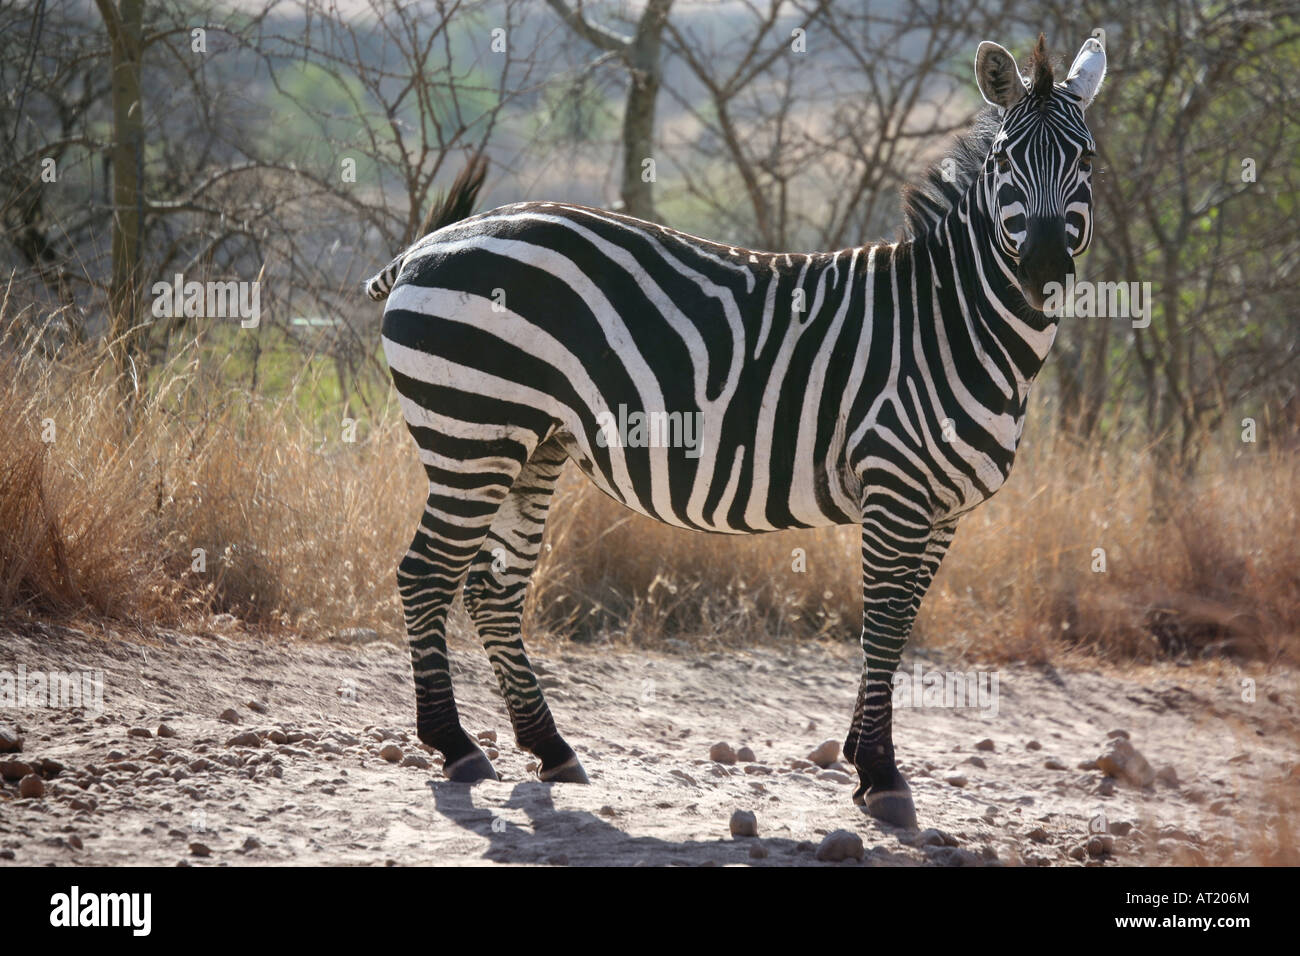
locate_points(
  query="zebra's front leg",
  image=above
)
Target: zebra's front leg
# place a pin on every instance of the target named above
(898, 564)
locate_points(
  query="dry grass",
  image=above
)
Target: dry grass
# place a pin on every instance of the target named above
(302, 531)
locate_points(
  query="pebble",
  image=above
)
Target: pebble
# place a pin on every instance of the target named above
(834, 776)
(1123, 761)
(165, 731)
(12, 770)
(977, 762)
(826, 753)
(1100, 845)
(200, 849)
(721, 752)
(256, 706)
(10, 741)
(139, 732)
(986, 744)
(1038, 835)
(416, 760)
(230, 716)
(487, 737)
(1033, 745)
(745, 755)
(391, 752)
(840, 845)
(957, 780)
(246, 739)
(744, 824)
(31, 786)
(75, 842)
(1052, 763)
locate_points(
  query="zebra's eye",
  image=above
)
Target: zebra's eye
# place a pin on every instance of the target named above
(1085, 161)
(1003, 161)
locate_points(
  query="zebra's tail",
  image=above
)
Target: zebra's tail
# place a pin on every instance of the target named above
(456, 204)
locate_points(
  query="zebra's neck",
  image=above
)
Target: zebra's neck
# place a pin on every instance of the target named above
(976, 296)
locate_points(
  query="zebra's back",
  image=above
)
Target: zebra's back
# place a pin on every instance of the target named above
(704, 385)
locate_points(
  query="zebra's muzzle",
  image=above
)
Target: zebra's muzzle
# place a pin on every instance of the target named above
(1044, 259)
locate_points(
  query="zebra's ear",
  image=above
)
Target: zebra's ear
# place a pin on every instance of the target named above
(995, 72)
(1088, 71)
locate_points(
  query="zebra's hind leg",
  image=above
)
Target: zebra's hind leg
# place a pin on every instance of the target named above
(456, 518)
(899, 559)
(494, 597)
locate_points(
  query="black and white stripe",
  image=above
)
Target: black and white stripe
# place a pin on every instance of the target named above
(883, 385)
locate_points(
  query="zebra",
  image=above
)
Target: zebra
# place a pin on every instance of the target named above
(883, 386)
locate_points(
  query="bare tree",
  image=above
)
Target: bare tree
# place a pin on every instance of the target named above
(640, 55)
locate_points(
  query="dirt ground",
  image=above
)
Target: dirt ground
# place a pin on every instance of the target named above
(300, 778)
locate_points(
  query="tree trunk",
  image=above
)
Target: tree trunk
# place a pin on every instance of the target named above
(125, 29)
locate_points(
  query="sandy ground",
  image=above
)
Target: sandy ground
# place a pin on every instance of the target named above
(307, 784)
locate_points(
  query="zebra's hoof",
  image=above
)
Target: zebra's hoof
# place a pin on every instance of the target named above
(894, 807)
(471, 768)
(568, 772)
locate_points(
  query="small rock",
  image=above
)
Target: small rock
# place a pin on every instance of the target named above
(139, 732)
(977, 762)
(246, 739)
(1099, 844)
(230, 716)
(1078, 852)
(826, 753)
(957, 780)
(744, 824)
(758, 852)
(200, 849)
(165, 731)
(12, 770)
(1168, 776)
(1121, 828)
(415, 760)
(31, 786)
(1122, 760)
(1033, 745)
(74, 841)
(487, 737)
(491, 753)
(840, 845)
(1053, 763)
(985, 744)
(745, 755)
(10, 741)
(277, 737)
(1038, 835)
(392, 753)
(722, 753)
(256, 706)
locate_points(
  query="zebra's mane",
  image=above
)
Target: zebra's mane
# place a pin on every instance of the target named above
(927, 202)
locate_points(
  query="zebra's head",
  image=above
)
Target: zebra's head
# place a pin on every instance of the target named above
(1037, 177)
